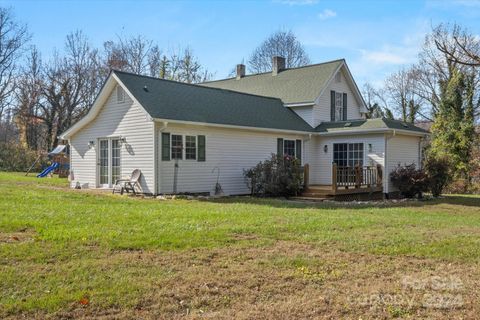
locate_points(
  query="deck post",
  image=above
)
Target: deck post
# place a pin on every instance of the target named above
(334, 177)
(379, 174)
(357, 176)
(306, 175)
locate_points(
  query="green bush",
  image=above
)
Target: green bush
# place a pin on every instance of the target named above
(409, 180)
(14, 157)
(438, 171)
(277, 176)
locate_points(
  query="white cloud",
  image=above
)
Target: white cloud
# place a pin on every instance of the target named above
(327, 14)
(383, 57)
(297, 2)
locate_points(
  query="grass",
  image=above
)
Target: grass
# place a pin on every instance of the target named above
(71, 253)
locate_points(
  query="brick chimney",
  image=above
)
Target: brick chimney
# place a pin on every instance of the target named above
(240, 71)
(278, 64)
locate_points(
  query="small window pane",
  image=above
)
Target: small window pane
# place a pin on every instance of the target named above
(289, 147)
(338, 99)
(177, 146)
(190, 147)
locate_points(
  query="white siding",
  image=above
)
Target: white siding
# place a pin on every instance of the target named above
(231, 150)
(125, 119)
(321, 162)
(401, 150)
(306, 113)
(321, 111)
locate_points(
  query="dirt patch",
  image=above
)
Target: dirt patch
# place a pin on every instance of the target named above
(24, 235)
(290, 280)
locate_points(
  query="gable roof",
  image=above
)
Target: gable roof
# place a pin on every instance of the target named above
(368, 124)
(172, 100)
(293, 85)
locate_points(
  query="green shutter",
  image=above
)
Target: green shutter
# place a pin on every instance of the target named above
(201, 148)
(298, 149)
(280, 147)
(165, 146)
(332, 105)
(345, 106)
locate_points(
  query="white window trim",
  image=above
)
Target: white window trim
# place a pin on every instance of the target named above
(171, 146)
(365, 154)
(339, 107)
(196, 147)
(109, 157)
(184, 146)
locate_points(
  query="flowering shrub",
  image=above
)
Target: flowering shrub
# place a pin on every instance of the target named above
(277, 176)
(409, 180)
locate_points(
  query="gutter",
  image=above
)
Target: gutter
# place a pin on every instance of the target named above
(216, 125)
(369, 131)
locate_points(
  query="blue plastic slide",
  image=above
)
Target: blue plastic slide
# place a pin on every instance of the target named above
(48, 169)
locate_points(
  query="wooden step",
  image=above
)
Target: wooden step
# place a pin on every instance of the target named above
(314, 199)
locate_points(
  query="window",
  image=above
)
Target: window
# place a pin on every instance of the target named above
(338, 106)
(190, 147)
(177, 146)
(338, 77)
(348, 154)
(289, 147)
(120, 94)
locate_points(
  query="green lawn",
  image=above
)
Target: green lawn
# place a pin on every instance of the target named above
(71, 253)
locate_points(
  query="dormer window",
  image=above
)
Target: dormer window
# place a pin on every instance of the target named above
(339, 106)
(120, 95)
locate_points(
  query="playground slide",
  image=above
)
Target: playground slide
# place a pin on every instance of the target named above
(48, 169)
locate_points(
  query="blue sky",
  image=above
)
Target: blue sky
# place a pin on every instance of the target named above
(375, 37)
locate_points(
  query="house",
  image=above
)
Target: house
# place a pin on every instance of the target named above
(184, 137)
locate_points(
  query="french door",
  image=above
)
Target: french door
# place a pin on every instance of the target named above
(109, 168)
(348, 154)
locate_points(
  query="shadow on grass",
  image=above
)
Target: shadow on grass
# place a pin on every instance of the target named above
(463, 200)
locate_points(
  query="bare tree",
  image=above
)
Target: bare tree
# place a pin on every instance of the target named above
(28, 96)
(377, 104)
(280, 43)
(70, 85)
(135, 54)
(400, 87)
(437, 64)
(13, 38)
(458, 44)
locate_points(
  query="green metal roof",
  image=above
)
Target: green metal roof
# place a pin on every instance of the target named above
(294, 85)
(355, 125)
(164, 99)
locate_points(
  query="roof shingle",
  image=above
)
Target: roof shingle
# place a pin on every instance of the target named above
(165, 99)
(293, 85)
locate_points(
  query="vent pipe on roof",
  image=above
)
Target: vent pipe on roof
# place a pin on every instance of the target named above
(278, 64)
(240, 71)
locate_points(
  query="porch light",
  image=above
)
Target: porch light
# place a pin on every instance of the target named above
(123, 140)
(370, 148)
(91, 144)
(325, 148)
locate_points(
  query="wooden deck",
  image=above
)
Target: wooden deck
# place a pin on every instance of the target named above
(347, 182)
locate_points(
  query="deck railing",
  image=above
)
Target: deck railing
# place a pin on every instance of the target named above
(356, 177)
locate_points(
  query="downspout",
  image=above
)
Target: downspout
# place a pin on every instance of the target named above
(155, 156)
(385, 165)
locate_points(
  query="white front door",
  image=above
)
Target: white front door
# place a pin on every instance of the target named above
(108, 162)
